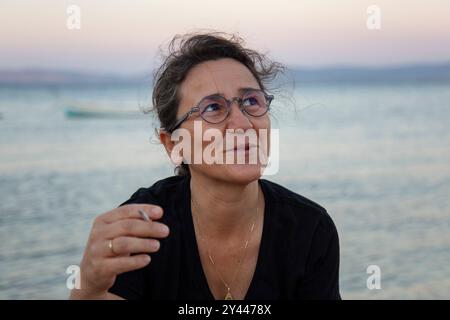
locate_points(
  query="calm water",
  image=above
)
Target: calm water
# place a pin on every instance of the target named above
(377, 157)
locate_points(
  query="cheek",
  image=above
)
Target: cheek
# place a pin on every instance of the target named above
(210, 132)
(261, 123)
(263, 128)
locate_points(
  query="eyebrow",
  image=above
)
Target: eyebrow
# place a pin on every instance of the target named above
(241, 91)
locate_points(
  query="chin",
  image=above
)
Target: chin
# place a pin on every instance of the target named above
(230, 173)
(240, 173)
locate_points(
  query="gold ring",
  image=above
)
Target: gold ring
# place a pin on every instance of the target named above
(110, 246)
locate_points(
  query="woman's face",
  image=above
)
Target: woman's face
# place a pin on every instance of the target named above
(225, 76)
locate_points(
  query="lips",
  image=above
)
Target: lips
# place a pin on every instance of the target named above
(243, 147)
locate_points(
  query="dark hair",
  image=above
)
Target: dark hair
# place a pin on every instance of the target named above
(188, 50)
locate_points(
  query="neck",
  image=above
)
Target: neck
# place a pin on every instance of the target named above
(224, 209)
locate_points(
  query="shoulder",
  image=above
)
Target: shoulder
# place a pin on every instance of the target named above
(288, 197)
(304, 227)
(159, 192)
(296, 210)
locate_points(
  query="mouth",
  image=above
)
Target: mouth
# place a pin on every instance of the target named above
(241, 148)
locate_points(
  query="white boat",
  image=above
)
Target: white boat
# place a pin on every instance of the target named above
(90, 111)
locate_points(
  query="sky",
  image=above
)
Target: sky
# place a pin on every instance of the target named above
(124, 36)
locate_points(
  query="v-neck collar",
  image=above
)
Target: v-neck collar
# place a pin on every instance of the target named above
(192, 244)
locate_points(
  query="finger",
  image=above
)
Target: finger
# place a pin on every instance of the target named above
(121, 264)
(131, 211)
(130, 245)
(135, 228)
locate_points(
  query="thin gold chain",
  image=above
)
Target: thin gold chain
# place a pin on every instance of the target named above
(201, 235)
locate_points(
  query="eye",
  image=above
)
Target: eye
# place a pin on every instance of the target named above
(251, 101)
(212, 107)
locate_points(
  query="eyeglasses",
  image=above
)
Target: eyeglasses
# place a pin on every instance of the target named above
(215, 108)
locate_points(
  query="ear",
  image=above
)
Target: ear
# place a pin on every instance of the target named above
(165, 138)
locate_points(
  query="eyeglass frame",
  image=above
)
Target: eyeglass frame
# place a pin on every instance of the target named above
(196, 108)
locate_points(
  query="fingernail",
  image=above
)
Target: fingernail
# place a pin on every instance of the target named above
(164, 228)
(156, 210)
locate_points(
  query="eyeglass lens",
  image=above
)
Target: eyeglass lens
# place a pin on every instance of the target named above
(214, 109)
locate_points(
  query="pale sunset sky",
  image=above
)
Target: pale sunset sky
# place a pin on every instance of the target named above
(123, 36)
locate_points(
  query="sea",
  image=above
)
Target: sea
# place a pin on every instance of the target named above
(375, 155)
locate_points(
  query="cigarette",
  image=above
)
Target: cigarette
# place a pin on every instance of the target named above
(144, 215)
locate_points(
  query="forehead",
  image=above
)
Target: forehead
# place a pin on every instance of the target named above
(224, 76)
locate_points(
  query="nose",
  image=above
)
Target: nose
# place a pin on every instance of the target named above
(237, 118)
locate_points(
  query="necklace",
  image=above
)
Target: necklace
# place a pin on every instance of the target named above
(228, 296)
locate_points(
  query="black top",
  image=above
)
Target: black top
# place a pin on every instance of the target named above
(298, 254)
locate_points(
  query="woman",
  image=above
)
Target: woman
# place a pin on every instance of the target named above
(232, 235)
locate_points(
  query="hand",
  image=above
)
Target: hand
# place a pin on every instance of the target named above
(120, 241)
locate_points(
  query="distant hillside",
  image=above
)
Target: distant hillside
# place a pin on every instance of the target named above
(37, 77)
(418, 73)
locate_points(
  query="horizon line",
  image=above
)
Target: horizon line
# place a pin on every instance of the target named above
(291, 67)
